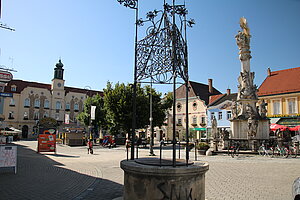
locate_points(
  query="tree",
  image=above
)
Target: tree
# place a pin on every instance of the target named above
(119, 107)
(100, 119)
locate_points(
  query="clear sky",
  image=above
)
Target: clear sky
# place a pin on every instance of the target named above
(95, 39)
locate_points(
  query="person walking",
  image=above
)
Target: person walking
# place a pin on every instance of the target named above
(90, 146)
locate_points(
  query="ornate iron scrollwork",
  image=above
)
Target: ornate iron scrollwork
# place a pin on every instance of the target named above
(129, 3)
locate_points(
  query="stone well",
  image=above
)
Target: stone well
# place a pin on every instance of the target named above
(149, 181)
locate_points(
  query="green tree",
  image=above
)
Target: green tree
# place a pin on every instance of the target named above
(119, 107)
(100, 119)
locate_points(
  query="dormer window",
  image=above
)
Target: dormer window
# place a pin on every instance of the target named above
(13, 88)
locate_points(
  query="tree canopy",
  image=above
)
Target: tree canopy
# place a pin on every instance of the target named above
(115, 110)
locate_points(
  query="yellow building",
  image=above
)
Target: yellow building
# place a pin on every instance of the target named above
(281, 91)
(198, 100)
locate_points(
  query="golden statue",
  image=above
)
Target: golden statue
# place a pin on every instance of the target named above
(244, 26)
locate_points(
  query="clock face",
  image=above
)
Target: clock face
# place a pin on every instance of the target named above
(59, 84)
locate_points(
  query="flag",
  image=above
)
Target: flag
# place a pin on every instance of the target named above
(67, 116)
(93, 109)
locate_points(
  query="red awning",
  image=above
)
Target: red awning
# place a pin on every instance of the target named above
(296, 128)
(274, 127)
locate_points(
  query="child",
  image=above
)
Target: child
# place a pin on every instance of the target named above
(90, 146)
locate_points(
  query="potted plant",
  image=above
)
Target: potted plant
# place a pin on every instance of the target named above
(202, 147)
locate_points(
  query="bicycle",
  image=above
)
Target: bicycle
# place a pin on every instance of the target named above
(263, 151)
(234, 149)
(280, 151)
(291, 151)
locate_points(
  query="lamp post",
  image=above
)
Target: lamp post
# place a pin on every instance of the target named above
(133, 4)
(151, 153)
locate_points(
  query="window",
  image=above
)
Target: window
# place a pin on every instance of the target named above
(13, 88)
(228, 114)
(202, 120)
(291, 106)
(179, 121)
(12, 102)
(58, 105)
(194, 120)
(276, 107)
(46, 114)
(26, 102)
(67, 106)
(11, 115)
(76, 107)
(57, 117)
(36, 116)
(212, 115)
(37, 103)
(220, 115)
(46, 103)
(25, 116)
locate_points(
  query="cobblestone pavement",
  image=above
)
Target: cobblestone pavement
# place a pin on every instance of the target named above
(74, 174)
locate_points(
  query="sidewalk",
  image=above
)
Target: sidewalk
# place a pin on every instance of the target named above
(40, 177)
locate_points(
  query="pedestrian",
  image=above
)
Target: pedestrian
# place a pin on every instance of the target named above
(90, 146)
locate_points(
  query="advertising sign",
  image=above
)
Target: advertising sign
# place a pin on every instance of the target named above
(8, 156)
(47, 141)
(5, 76)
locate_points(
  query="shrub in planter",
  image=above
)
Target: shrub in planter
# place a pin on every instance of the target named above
(202, 148)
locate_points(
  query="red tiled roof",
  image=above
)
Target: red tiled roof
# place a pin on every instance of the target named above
(281, 82)
(214, 98)
(21, 85)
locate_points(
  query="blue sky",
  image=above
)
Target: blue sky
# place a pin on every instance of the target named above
(95, 39)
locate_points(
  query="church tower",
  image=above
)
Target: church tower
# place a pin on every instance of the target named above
(58, 80)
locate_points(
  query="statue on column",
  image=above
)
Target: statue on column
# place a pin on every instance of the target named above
(263, 109)
(214, 127)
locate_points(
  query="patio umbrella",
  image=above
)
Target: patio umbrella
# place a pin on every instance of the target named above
(274, 127)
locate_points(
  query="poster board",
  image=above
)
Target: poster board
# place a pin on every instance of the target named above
(47, 141)
(8, 156)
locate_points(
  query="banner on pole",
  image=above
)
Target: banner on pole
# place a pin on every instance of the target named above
(93, 110)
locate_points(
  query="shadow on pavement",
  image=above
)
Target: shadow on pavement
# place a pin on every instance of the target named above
(39, 177)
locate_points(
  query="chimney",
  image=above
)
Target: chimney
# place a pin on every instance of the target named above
(210, 87)
(228, 91)
(269, 71)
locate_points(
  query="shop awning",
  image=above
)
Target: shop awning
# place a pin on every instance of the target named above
(275, 127)
(199, 129)
(289, 122)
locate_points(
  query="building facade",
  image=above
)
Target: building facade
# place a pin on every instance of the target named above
(32, 101)
(220, 109)
(198, 100)
(281, 92)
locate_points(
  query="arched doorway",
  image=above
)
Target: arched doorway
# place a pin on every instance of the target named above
(25, 131)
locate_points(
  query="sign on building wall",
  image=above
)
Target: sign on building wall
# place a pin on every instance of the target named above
(5, 76)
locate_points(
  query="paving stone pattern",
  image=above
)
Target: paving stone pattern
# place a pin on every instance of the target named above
(74, 174)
